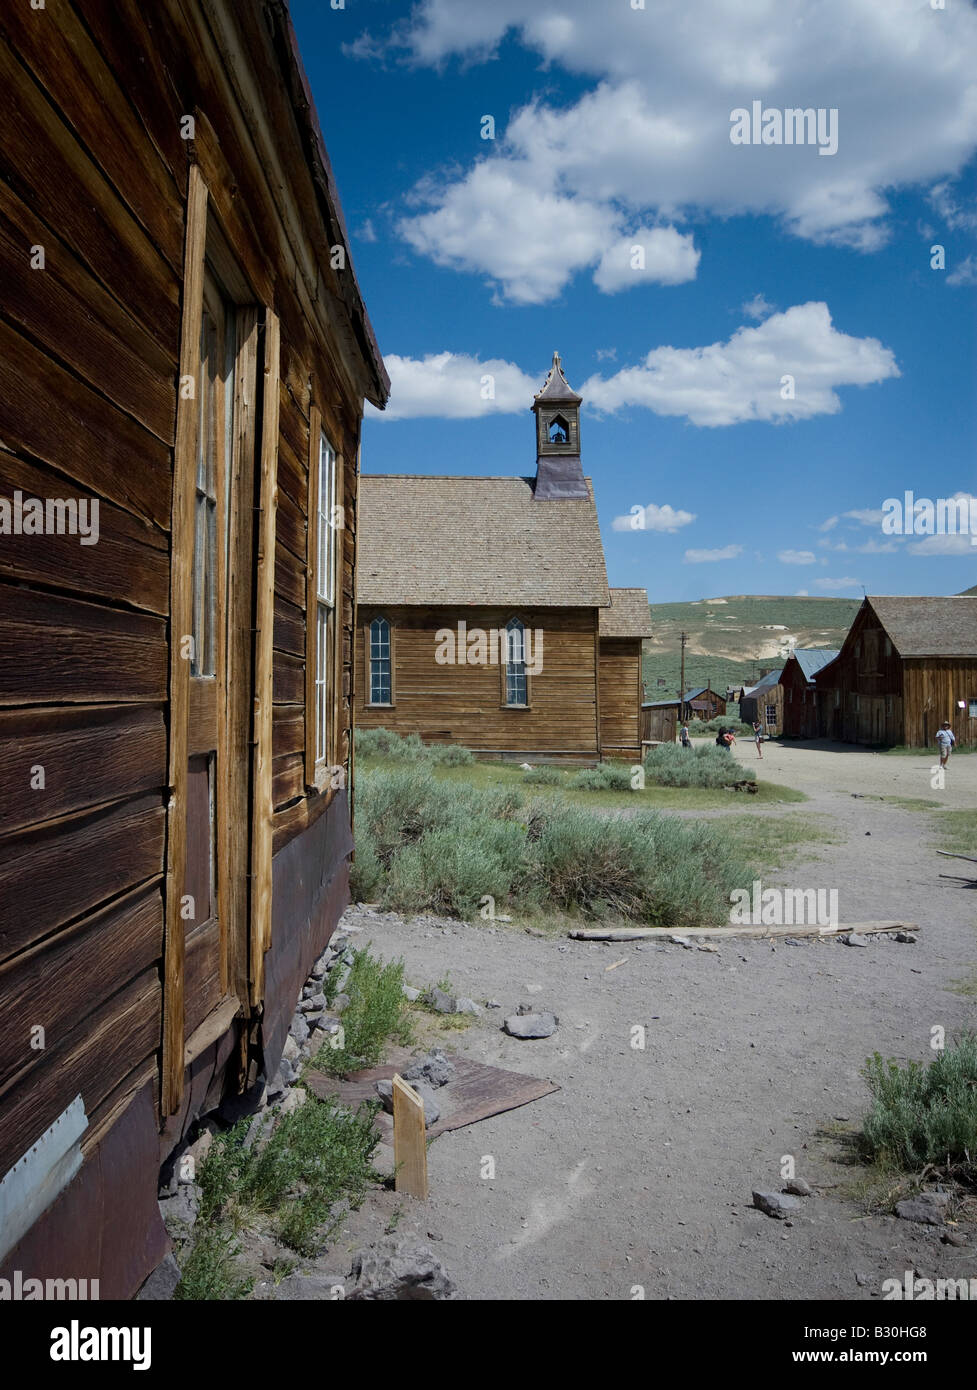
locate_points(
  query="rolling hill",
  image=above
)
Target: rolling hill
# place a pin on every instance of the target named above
(733, 639)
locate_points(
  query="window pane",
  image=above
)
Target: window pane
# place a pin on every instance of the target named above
(516, 685)
(380, 662)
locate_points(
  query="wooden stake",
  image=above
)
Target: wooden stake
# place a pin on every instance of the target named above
(410, 1145)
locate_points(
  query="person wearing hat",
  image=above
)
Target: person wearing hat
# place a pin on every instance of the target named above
(945, 742)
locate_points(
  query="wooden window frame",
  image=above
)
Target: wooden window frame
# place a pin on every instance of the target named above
(368, 702)
(243, 895)
(320, 768)
(504, 667)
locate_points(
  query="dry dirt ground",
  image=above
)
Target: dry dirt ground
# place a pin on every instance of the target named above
(639, 1171)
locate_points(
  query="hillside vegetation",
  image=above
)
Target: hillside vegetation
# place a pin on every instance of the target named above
(732, 639)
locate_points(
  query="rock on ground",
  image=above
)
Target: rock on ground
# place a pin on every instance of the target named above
(530, 1025)
(776, 1204)
(395, 1270)
(928, 1208)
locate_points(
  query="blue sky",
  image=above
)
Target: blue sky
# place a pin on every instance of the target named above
(612, 131)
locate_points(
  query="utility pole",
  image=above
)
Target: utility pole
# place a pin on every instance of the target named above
(681, 693)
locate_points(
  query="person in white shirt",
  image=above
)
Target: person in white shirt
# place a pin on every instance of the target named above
(945, 742)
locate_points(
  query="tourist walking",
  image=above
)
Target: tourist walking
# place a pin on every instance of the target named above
(945, 741)
(684, 736)
(758, 737)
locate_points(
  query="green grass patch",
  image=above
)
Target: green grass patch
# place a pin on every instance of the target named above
(899, 750)
(911, 803)
(924, 1114)
(376, 1012)
(318, 1156)
(776, 840)
(424, 843)
(957, 831)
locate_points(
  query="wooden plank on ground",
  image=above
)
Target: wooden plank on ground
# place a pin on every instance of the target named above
(713, 933)
(410, 1142)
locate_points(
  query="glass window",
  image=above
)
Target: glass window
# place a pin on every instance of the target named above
(380, 684)
(516, 684)
(771, 714)
(325, 616)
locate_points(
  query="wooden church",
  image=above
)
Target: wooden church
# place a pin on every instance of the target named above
(484, 614)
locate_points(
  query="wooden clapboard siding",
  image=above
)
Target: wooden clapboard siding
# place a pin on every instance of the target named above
(87, 755)
(61, 870)
(933, 686)
(89, 1061)
(71, 194)
(90, 653)
(620, 696)
(66, 310)
(465, 704)
(113, 944)
(86, 438)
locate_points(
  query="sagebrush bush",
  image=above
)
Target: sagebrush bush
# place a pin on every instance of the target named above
(615, 777)
(410, 748)
(443, 847)
(705, 765)
(702, 728)
(544, 777)
(924, 1114)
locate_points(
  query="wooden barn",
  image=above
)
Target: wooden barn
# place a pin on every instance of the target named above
(907, 664)
(184, 358)
(484, 613)
(765, 701)
(800, 712)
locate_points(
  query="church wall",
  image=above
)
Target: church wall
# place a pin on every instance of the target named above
(446, 691)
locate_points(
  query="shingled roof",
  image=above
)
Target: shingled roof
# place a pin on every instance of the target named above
(628, 615)
(471, 541)
(929, 626)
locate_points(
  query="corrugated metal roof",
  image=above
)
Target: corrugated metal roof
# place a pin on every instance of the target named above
(471, 540)
(811, 659)
(628, 615)
(771, 679)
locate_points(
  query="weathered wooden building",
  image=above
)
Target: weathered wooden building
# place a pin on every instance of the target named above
(184, 356)
(622, 627)
(659, 721)
(800, 712)
(703, 702)
(765, 701)
(907, 664)
(484, 613)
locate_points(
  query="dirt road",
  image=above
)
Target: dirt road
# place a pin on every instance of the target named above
(639, 1171)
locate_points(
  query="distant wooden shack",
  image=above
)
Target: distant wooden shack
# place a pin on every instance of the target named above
(184, 357)
(659, 721)
(704, 703)
(800, 712)
(484, 613)
(907, 664)
(764, 702)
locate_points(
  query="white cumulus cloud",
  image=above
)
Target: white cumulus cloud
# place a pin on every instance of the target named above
(651, 255)
(796, 557)
(647, 140)
(838, 583)
(653, 518)
(454, 386)
(707, 557)
(741, 379)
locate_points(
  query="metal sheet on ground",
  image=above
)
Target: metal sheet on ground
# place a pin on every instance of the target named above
(475, 1092)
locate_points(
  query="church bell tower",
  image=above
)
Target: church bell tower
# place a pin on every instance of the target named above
(557, 408)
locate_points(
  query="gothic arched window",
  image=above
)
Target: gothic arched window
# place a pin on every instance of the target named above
(516, 684)
(380, 666)
(559, 430)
